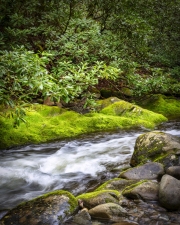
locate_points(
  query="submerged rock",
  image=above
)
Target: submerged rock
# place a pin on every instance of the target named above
(49, 209)
(149, 171)
(158, 147)
(169, 194)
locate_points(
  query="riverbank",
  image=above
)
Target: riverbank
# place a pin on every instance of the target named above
(49, 123)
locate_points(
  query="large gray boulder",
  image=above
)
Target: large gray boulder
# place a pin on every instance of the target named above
(49, 209)
(158, 147)
(149, 171)
(146, 190)
(169, 192)
(108, 211)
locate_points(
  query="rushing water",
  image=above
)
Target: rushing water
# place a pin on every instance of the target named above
(74, 165)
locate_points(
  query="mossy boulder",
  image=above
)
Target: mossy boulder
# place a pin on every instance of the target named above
(117, 184)
(158, 147)
(127, 91)
(51, 208)
(167, 106)
(101, 104)
(48, 123)
(133, 112)
(146, 190)
(92, 199)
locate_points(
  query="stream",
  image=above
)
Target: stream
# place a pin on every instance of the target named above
(74, 165)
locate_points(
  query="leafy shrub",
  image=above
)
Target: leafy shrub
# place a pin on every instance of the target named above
(23, 76)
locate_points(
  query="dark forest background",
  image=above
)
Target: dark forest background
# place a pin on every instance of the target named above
(69, 49)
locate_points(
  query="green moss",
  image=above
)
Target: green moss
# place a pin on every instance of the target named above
(96, 193)
(46, 209)
(134, 113)
(167, 106)
(47, 123)
(149, 147)
(128, 110)
(132, 186)
(72, 200)
(127, 91)
(160, 157)
(103, 186)
(101, 104)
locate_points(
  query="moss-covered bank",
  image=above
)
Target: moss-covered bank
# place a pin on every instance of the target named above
(47, 123)
(167, 106)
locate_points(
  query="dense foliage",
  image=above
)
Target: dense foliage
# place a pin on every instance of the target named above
(63, 48)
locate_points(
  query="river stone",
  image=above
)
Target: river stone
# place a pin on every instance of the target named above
(116, 184)
(99, 198)
(157, 146)
(47, 209)
(174, 171)
(169, 192)
(82, 218)
(149, 171)
(108, 211)
(147, 190)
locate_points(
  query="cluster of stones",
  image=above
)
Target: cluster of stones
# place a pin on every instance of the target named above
(146, 193)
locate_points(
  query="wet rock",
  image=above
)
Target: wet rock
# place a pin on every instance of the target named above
(116, 184)
(51, 208)
(149, 171)
(147, 191)
(83, 218)
(150, 213)
(125, 202)
(174, 171)
(157, 146)
(169, 194)
(108, 211)
(90, 200)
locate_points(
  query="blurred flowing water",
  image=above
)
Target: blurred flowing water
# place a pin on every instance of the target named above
(74, 165)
